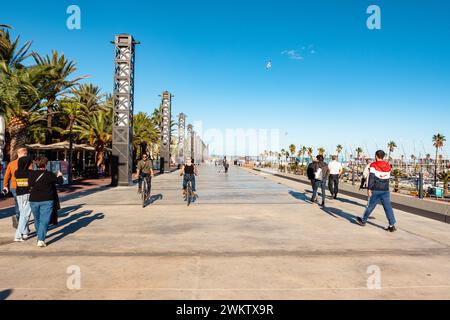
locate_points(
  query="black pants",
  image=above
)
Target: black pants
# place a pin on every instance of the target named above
(333, 183)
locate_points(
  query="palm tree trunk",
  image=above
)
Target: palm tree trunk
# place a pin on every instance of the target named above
(435, 167)
(18, 133)
(70, 154)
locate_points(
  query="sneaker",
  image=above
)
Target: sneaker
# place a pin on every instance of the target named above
(391, 229)
(25, 237)
(41, 244)
(360, 221)
(15, 222)
(18, 240)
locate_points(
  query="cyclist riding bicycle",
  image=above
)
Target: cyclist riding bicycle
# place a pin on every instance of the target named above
(226, 164)
(144, 170)
(189, 171)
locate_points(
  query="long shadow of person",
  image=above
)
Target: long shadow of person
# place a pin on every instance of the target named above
(65, 221)
(5, 294)
(300, 196)
(74, 227)
(347, 216)
(153, 198)
(351, 202)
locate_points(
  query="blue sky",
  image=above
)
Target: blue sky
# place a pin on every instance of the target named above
(353, 86)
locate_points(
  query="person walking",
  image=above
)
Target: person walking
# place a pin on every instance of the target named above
(23, 198)
(9, 184)
(335, 168)
(378, 191)
(321, 173)
(42, 197)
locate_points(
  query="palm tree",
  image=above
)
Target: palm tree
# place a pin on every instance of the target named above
(61, 69)
(144, 132)
(321, 151)
(292, 150)
(21, 92)
(96, 129)
(310, 152)
(391, 146)
(445, 178)
(359, 151)
(10, 52)
(438, 143)
(90, 96)
(304, 150)
(397, 173)
(339, 149)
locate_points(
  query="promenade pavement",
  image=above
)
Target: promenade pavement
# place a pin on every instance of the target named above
(249, 235)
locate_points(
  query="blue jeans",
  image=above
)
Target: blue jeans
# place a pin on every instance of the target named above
(25, 212)
(16, 205)
(190, 177)
(42, 212)
(316, 185)
(385, 198)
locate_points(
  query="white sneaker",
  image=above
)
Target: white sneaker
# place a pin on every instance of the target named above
(41, 244)
(18, 240)
(25, 237)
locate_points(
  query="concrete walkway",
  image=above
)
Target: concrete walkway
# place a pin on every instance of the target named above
(248, 236)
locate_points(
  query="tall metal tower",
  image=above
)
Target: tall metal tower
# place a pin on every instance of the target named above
(181, 134)
(191, 140)
(123, 103)
(165, 130)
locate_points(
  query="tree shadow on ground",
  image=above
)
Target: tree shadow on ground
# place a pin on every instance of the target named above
(153, 198)
(5, 294)
(82, 222)
(335, 213)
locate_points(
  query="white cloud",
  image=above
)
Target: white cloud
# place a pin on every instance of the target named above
(292, 54)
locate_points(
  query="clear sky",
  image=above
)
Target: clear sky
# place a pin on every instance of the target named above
(332, 79)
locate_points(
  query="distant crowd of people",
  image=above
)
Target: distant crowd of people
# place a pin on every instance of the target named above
(34, 191)
(376, 178)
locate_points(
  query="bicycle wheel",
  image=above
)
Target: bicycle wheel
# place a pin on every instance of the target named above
(144, 192)
(188, 193)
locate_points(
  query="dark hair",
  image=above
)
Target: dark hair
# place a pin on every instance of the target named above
(334, 157)
(380, 154)
(320, 157)
(41, 162)
(145, 154)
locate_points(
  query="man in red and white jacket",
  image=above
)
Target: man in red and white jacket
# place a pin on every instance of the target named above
(378, 190)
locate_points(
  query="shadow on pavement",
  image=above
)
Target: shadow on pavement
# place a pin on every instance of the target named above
(351, 202)
(75, 226)
(6, 212)
(334, 212)
(300, 196)
(5, 294)
(153, 198)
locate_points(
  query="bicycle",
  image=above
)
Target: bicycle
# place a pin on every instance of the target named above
(188, 195)
(145, 194)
